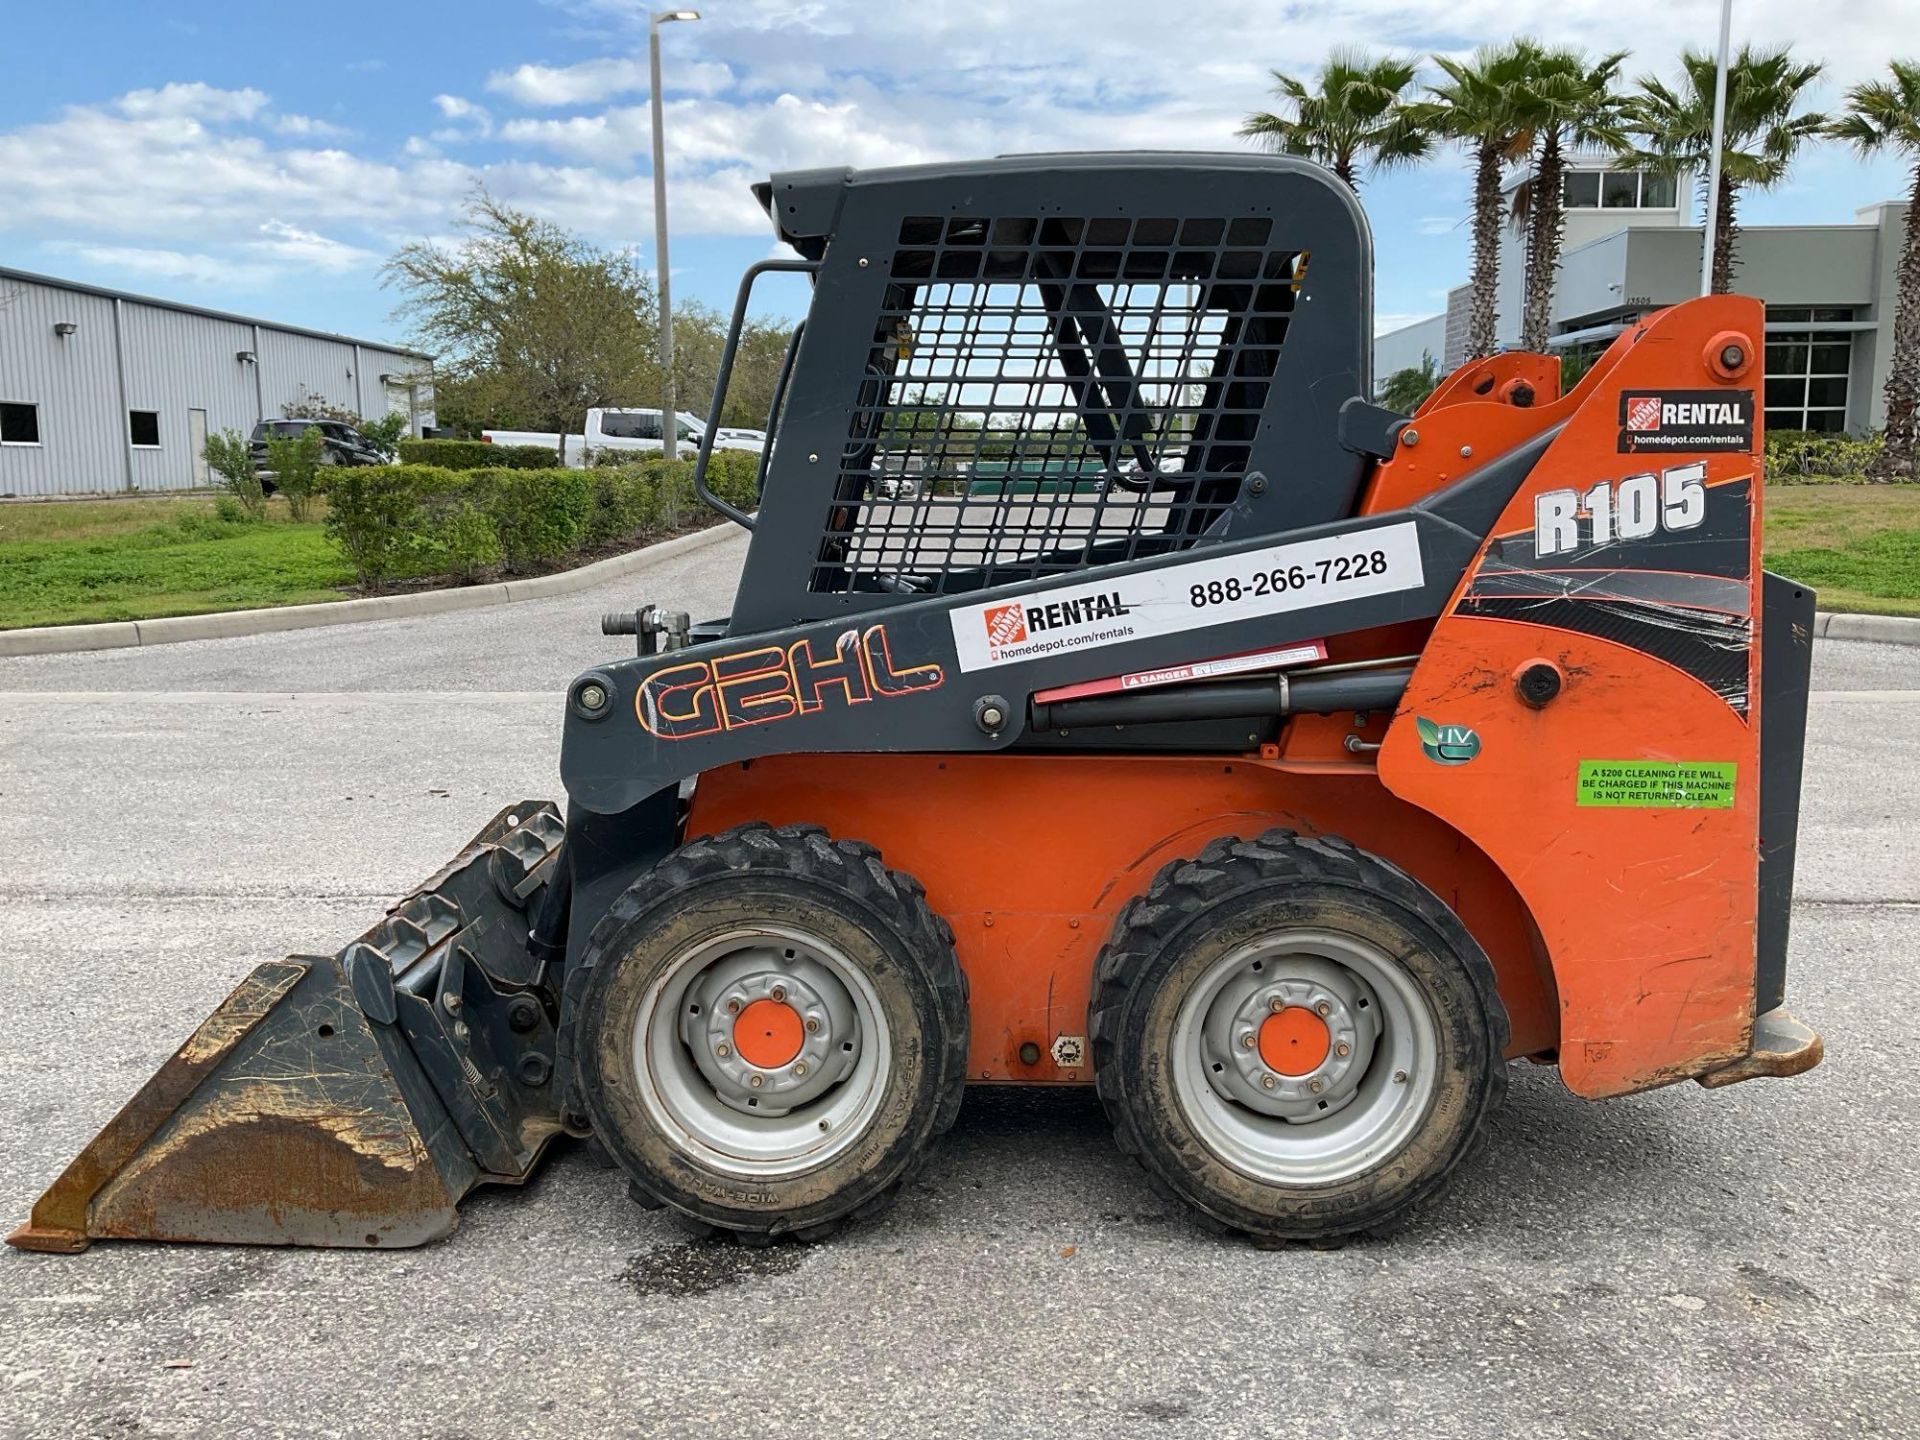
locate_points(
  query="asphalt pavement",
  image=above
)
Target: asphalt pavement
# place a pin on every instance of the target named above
(1743, 1262)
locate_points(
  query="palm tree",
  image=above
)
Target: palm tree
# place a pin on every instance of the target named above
(1357, 116)
(1565, 100)
(1479, 105)
(1883, 116)
(1762, 131)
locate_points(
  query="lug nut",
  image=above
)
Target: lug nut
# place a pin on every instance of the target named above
(1316, 1086)
(755, 1081)
(1247, 1042)
(813, 1026)
(800, 1069)
(1276, 1005)
(733, 1007)
(1399, 1077)
(1343, 1049)
(1323, 1008)
(723, 1050)
(1267, 1082)
(779, 993)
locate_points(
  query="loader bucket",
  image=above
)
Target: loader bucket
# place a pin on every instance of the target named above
(349, 1099)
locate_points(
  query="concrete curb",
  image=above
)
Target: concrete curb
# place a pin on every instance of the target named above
(225, 624)
(1883, 629)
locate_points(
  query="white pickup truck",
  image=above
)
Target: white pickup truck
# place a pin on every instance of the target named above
(624, 429)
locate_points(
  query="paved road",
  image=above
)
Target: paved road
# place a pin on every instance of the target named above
(1681, 1263)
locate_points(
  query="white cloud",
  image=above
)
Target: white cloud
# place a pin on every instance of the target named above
(602, 79)
(308, 127)
(194, 177)
(176, 266)
(192, 101)
(310, 250)
(470, 121)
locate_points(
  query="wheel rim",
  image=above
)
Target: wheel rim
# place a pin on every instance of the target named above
(762, 1052)
(1305, 1057)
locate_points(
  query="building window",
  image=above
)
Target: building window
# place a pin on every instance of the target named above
(1807, 370)
(143, 428)
(19, 423)
(1617, 190)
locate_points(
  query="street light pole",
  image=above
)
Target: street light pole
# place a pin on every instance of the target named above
(669, 402)
(1708, 237)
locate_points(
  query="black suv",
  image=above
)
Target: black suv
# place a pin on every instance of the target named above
(341, 444)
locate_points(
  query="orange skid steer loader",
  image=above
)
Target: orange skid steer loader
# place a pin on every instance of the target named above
(1113, 695)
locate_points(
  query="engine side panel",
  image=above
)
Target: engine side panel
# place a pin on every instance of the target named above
(1625, 808)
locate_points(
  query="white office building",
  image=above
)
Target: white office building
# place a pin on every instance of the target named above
(1631, 249)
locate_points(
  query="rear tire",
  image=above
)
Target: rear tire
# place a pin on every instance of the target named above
(1296, 1038)
(774, 1028)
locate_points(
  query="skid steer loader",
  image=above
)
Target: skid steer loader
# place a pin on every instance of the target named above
(1189, 726)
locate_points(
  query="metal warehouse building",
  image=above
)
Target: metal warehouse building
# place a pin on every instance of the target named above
(105, 391)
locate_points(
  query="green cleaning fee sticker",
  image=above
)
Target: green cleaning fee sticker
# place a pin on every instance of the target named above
(1650, 784)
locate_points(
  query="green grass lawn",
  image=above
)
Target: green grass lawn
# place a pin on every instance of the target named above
(65, 562)
(72, 561)
(1857, 545)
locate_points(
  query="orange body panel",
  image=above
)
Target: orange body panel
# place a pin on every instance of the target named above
(1030, 858)
(1624, 937)
(1649, 914)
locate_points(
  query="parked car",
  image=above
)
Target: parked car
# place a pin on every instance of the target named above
(341, 444)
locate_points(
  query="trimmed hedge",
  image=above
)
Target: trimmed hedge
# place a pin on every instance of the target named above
(412, 521)
(475, 455)
(1811, 457)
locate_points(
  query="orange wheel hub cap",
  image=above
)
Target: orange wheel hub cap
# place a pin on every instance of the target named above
(1292, 1042)
(768, 1034)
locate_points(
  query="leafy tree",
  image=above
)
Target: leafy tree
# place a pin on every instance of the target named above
(1564, 101)
(699, 335)
(1479, 105)
(1406, 390)
(384, 433)
(533, 325)
(1358, 116)
(230, 457)
(1883, 116)
(310, 406)
(295, 463)
(1763, 131)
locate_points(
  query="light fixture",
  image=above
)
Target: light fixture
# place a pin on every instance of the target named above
(65, 328)
(246, 357)
(663, 16)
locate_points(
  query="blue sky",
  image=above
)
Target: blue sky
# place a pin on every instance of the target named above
(263, 158)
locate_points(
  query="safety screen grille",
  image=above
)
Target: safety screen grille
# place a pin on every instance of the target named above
(1045, 394)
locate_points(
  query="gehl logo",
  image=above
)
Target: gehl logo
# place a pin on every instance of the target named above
(757, 687)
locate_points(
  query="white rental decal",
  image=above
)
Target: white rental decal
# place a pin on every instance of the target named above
(1193, 596)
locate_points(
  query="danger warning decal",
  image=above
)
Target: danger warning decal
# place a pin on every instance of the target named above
(1191, 596)
(1686, 420)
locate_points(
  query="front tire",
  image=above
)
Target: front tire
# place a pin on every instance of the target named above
(1296, 1037)
(774, 1029)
